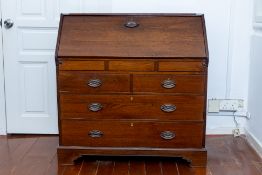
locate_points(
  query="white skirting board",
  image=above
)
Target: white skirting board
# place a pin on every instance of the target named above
(223, 130)
(254, 142)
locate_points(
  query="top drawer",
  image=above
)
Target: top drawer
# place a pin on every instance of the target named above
(181, 66)
(141, 65)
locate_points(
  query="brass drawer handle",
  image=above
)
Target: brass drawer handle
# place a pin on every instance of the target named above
(131, 24)
(168, 84)
(95, 107)
(168, 108)
(167, 135)
(94, 83)
(95, 133)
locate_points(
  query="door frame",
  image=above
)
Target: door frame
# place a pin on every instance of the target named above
(2, 83)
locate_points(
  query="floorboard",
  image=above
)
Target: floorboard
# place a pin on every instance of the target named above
(169, 168)
(137, 167)
(90, 167)
(153, 168)
(121, 167)
(105, 167)
(36, 155)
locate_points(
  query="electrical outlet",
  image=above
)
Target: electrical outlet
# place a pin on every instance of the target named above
(213, 105)
(231, 105)
(236, 132)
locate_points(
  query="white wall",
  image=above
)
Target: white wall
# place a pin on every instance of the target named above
(254, 125)
(254, 129)
(238, 65)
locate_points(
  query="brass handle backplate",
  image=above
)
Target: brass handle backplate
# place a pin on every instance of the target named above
(167, 135)
(95, 133)
(94, 83)
(168, 108)
(131, 24)
(95, 107)
(168, 84)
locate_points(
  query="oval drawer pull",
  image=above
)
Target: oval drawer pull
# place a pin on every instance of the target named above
(168, 84)
(168, 108)
(167, 135)
(95, 133)
(95, 107)
(131, 24)
(94, 83)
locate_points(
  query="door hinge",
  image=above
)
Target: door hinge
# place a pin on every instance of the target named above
(1, 22)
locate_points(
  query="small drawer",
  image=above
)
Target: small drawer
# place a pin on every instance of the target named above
(131, 65)
(184, 66)
(82, 65)
(143, 107)
(130, 133)
(85, 82)
(170, 83)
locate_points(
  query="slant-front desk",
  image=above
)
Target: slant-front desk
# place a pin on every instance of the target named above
(132, 85)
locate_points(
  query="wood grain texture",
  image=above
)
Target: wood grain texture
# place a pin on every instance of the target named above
(116, 107)
(149, 83)
(77, 82)
(227, 155)
(156, 36)
(139, 134)
(181, 66)
(141, 65)
(121, 167)
(82, 65)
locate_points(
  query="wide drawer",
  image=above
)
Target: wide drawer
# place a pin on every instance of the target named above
(85, 82)
(169, 83)
(131, 134)
(155, 107)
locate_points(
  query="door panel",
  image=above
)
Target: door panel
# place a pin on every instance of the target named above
(30, 67)
(29, 48)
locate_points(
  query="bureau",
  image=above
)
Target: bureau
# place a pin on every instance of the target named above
(132, 85)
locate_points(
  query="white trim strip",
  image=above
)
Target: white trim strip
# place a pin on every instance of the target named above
(254, 142)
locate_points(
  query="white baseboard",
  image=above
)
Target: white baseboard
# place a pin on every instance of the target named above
(254, 142)
(2, 133)
(222, 131)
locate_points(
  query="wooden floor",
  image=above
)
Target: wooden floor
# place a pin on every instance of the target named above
(36, 155)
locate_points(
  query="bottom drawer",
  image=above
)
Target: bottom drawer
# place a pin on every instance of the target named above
(131, 134)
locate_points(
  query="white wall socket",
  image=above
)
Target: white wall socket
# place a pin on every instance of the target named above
(213, 105)
(226, 105)
(231, 105)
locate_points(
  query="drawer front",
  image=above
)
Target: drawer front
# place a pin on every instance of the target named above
(82, 65)
(84, 82)
(132, 107)
(131, 134)
(198, 66)
(169, 83)
(131, 65)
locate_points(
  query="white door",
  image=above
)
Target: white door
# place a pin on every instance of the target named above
(2, 91)
(29, 46)
(29, 66)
